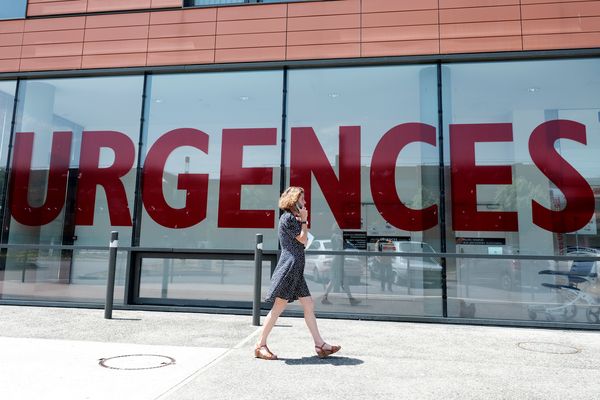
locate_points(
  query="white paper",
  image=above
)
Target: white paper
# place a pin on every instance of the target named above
(310, 238)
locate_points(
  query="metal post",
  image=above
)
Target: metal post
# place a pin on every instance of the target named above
(165, 277)
(112, 266)
(257, 279)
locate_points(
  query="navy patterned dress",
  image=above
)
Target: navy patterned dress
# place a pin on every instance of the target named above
(288, 280)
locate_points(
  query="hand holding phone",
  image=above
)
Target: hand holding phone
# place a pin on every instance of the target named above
(303, 212)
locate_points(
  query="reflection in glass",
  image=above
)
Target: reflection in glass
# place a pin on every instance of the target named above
(326, 109)
(546, 166)
(563, 291)
(208, 104)
(110, 108)
(60, 275)
(200, 279)
(54, 121)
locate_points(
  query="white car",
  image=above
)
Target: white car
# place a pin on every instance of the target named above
(425, 271)
(318, 266)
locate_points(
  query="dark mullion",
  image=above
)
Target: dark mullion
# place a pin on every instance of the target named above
(132, 270)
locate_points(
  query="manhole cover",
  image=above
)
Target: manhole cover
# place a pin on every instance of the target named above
(551, 348)
(136, 361)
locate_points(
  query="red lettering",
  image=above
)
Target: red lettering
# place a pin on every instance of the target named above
(466, 176)
(343, 194)
(383, 178)
(196, 185)
(233, 176)
(57, 179)
(91, 175)
(578, 193)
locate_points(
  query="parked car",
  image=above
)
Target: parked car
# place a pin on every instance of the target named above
(318, 266)
(425, 271)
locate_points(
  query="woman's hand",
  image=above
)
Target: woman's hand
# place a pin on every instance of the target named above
(303, 214)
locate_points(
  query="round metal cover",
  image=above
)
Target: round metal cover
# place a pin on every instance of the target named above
(136, 361)
(551, 348)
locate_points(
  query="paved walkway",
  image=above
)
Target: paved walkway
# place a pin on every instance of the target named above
(55, 353)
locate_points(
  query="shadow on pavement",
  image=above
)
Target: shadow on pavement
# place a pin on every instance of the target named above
(314, 360)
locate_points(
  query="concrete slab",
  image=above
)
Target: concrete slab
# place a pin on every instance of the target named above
(66, 369)
(52, 353)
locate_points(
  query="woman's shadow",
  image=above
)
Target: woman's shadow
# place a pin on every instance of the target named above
(314, 360)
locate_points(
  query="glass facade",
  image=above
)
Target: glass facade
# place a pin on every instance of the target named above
(488, 200)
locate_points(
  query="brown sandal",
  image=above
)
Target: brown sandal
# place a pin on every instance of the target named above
(322, 352)
(264, 353)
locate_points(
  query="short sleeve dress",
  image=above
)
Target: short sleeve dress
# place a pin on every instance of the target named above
(288, 280)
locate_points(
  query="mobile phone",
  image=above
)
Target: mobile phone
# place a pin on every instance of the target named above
(298, 206)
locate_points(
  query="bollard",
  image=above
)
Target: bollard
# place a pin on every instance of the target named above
(257, 279)
(112, 266)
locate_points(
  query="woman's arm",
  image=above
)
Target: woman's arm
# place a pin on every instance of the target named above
(303, 236)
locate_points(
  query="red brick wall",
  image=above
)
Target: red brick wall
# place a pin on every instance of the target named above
(287, 31)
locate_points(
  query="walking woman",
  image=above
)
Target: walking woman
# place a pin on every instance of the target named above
(287, 283)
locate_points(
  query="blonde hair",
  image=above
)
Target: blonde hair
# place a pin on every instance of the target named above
(290, 197)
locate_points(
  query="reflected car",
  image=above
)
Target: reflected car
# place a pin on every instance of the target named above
(504, 274)
(318, 266)
(423, 271)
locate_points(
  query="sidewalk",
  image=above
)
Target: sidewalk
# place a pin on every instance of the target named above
(54, 353)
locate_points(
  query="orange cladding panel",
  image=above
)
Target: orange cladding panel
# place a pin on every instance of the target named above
(405, 47)
(165, 3)
(35, 8)
(487, 44)
(562, 41)
(286, 31)
(250, 54)
(348, 50)
(117, 5)
(9, 65)
(420, 17)
(251, 12)
(324, 8)
(562, 25)
(397, 5)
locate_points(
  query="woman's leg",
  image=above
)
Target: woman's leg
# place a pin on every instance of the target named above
(270, 320)
(310, 319)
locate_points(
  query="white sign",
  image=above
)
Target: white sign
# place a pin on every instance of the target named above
(590, 228)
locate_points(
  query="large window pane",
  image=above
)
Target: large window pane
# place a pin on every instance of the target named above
(522, 145)
(212, 159)
(346, 140)
(73, 173)
(108, 111)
